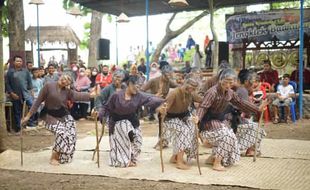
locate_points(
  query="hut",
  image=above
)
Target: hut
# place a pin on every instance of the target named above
(62, 35)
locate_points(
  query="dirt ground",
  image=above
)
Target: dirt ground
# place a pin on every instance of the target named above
(39, 139)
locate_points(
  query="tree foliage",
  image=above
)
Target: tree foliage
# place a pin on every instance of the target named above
(4, 20)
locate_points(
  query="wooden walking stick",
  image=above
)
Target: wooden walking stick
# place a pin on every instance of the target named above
(260, 123)
(101, 135)
(97, 140)
(21, 136)
(161, 125)
(197, 138)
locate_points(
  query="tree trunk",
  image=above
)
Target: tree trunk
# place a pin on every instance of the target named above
(2, 108)
(173, 34)
(95, 34)
(215, 52)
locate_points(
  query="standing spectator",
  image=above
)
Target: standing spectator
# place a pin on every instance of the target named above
(37, 84)
(29, 66)
(63, 61)
(51, 75)
(285, 93)
(104, 78)
(190, 42)
(80, 61)
(187, 69)
(142, 67)
(181, 52)
(82, 84)
(208, 52)
(42, 61)
(53, 61)
(19, 87)
(197, 57)
(269, 75)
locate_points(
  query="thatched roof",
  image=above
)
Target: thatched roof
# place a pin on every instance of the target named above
(137, 7)
(52, 34)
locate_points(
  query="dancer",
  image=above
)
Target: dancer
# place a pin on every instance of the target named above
(215, 128)
(57, 116)
(178, 121)
(160, 87)
(246, 130)
(124, 126)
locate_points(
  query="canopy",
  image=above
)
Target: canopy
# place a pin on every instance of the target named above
(137, 7)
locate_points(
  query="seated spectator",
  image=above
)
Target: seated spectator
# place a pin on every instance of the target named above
(82, 84)
(104, 78)
(154, 71)
(306, 77)
(269, 75)
(285, 93)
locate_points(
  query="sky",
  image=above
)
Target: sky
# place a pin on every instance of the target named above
(129, 34)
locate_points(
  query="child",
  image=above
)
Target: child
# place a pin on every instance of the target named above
(37, 84)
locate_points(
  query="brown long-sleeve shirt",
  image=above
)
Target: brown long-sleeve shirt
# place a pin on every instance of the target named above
(178, 101)
(55, 98)
(159, 86)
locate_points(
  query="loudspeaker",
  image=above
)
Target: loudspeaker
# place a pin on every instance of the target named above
(223, 52)
(103, 49)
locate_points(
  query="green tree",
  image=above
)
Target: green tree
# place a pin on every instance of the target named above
(92, 31)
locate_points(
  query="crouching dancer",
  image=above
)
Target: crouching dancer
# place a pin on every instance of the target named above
(215, 127)
(124, 127)
(179, 122)
(56, 115)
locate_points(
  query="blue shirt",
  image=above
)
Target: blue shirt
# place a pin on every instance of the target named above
(19, 82)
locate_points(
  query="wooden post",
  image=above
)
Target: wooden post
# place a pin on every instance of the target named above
(215, 51)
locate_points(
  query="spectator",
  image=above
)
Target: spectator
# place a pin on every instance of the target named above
(29, 66)
(104, 78)
(51, 75)
(142, 67)
(19, 87)
(190, 42)
(154, 71)
(63, 61)
(42, 61)
(82, 84)
(197, 57)
(306, 77)
(37, 84)
(187, 69)
(94, 73)
(269, 75)
(285, 93)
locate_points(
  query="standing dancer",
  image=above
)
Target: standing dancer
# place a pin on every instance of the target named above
(215, 128)
(124, 126)
(55, 113)
(178, 122)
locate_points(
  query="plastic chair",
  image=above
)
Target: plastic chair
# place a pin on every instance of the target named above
(292, 105)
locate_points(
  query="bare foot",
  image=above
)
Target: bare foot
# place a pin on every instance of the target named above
(207, 144)
(54, 162)
(219, 168)
(182, 166)
(173, 159)
(210, 160)
(131, 164)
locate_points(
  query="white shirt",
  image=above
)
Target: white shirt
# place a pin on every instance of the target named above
(285, 91)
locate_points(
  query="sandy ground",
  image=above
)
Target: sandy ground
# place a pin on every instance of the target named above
(40, 139)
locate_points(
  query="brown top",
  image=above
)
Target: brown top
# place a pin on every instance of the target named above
(159, 86)
(178, 101)
(55, 98)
